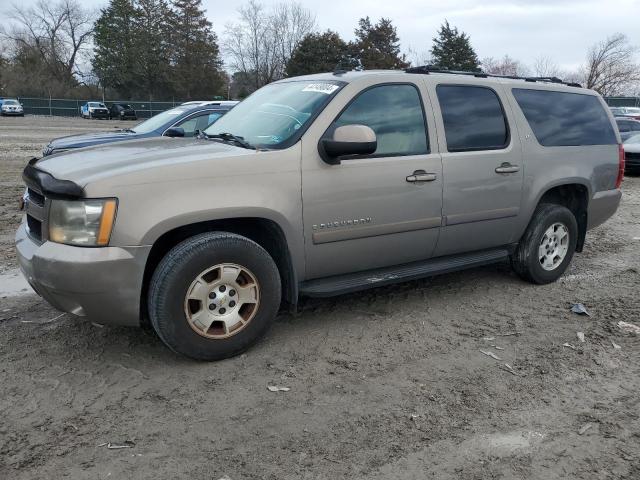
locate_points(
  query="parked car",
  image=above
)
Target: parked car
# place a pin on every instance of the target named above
(630, 112)
(319, 186)
(177, 122)
(627, 127)
(208, 102)
(94, 110)
(11, 106)
(122, 111)
(632, 154)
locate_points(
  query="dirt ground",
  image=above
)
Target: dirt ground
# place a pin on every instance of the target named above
(386, 384)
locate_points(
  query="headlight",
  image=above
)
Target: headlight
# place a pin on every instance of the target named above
(86, 223)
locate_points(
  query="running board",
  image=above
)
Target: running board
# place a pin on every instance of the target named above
(353, 282)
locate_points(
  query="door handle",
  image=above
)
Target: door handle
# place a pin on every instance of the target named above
(421, 176)
(506, 167)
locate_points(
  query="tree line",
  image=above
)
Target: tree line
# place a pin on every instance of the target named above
(162, 49)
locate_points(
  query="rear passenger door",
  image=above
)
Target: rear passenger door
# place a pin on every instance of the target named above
(482, 167)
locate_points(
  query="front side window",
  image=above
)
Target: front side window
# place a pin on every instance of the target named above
(563, 119)
(394, 113)
(197, 122)
(276, 115)
(473, 118)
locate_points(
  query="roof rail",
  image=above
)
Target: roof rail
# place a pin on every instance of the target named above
(427, 69)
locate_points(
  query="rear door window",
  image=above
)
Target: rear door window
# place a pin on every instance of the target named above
(563, 119)
(473, 118)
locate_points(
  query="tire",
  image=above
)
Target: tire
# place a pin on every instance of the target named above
(527, 260)
(175, 318)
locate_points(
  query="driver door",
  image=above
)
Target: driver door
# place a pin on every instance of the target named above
(368, 211)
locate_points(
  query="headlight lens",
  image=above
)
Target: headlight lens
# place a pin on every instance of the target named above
(86, 223)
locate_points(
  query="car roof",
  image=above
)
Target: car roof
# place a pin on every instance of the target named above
(357, 75)
(222, 103)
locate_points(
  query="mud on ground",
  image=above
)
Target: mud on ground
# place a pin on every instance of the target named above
(389, 383)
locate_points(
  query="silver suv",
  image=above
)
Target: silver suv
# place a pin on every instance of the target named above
(318, 186)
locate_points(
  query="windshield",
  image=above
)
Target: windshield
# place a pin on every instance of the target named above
(96, 105)
(277, 113)
(10, 102)
(159, 120)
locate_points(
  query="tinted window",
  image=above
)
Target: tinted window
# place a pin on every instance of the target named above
(473, 118)
(395, 113)
(624, 126)
(560, 119)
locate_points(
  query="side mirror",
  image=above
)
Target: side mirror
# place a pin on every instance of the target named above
(348, 140)
(174, 132)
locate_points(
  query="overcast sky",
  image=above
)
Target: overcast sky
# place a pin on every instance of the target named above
(524, 29)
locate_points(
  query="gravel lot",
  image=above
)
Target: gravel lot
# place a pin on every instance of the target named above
(387, 384)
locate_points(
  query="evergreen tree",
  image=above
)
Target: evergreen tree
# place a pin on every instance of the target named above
(152, 47)
(452, 49)
(114, 60)
(378, 46)
(318, 52)
(196, 63)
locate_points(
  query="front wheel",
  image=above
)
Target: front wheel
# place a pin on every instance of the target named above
(548, 245)
(214, 295)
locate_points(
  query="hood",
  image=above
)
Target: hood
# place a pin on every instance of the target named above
(87, 139)
(632, 147)
(85, 165)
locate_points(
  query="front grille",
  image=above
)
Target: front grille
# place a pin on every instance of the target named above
(35, 197)
(632, 156)
(36, 206)
(35, 228)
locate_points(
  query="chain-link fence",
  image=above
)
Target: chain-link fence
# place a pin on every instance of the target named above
(623, 101)
(71, 108)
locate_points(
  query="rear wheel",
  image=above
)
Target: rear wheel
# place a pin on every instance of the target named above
(548, 245)
(214, 295)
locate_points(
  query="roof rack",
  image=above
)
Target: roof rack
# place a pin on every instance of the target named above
(427, 69)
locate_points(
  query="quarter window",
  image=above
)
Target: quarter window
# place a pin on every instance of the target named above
(561, 119)
(394, 113)
(473, 118)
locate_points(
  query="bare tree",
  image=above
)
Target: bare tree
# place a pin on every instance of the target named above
(611, 67)
(544, 66)
(261, 43)
(505, 66)
(58, 32)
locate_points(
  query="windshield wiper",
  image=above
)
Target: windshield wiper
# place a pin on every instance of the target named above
(126, 130)
(230, 137)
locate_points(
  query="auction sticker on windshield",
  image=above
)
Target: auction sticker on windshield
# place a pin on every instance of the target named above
(326, 88)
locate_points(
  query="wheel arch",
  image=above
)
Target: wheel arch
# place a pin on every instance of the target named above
(265, 232)
(575, 196)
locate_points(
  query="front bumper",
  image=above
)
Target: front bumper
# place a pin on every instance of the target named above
(13, 112)
(602, 206)
(102, 284)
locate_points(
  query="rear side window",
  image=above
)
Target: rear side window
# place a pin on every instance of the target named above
(473, 118)
(561, 119)
(395, 113)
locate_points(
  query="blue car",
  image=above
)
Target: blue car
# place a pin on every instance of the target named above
(181, 121)
(94, 110)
